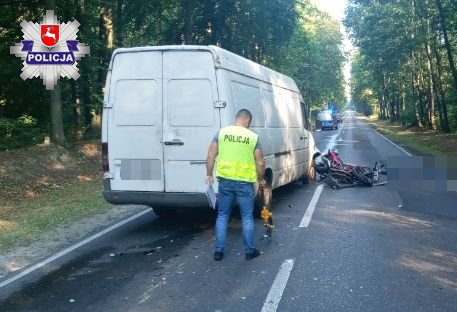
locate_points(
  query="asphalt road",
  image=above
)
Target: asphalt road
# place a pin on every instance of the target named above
(366, 249)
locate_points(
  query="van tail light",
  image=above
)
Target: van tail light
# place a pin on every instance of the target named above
(105, 160)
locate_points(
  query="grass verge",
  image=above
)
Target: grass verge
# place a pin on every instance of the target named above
(425, 142)
(25, 220)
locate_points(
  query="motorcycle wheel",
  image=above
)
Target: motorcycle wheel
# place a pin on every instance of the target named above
(360, 177)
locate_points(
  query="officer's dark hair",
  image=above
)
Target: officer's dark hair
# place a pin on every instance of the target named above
(244, 113)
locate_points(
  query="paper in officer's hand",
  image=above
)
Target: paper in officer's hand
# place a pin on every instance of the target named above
(211, 195)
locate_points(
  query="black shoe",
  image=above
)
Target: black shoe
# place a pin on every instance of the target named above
(252, 255)
(218, 255)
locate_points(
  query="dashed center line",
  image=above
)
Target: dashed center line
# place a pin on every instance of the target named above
(312, 206)
(279, 284)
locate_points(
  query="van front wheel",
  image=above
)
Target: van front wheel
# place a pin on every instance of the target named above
(310, 175)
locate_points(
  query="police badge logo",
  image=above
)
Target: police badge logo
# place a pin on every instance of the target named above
(49, 35)
(50, 50)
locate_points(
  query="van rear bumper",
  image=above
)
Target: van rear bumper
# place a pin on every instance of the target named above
(156, 199)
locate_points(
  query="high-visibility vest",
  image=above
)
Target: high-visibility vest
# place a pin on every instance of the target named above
(235, 160)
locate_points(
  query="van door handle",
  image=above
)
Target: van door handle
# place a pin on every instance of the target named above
(173, 143)
(303, 138)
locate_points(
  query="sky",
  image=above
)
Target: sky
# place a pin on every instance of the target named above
(336, 9)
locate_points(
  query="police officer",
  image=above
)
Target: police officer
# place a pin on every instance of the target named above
(240, 164)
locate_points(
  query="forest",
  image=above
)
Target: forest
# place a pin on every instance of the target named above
(290, 36)
(405, 65)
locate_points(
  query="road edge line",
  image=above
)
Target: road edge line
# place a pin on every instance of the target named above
(393, 143)
(70, 249)
(279, 284)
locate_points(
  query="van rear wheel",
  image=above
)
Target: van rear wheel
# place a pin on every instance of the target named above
(165, 212)
(262, 198)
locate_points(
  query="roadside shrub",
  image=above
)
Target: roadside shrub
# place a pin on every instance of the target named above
(20, 132)
(367, 110)
(407, 117)
(313, 116)
(452, 113)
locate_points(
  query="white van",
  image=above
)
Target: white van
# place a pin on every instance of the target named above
(163, 106)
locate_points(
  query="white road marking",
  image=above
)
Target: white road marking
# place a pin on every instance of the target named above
(331, 143)
(317, 193)
(394, 144)
(312, 206)
(279, 284)
(332, 140)
(147, 293)
(70, 249)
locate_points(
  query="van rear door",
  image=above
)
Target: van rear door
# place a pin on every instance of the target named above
(190, 119)
(134, 114)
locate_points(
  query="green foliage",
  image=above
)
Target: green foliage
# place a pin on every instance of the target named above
(364, 95)
(404, 67)
(453, 114)
(407, 117)
(20, 132)
(291, 36)
(313, 57)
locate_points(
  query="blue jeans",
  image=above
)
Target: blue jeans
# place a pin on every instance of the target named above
(243, 193)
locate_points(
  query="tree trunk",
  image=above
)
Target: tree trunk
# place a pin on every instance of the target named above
(397, 107)
(392, 109)
(57, 134)
(431, 87)
(414, 98)
(445, 125)
(85, 98)
(82, 104)
(118, 31)
(107, 27)
(447, 43)
(435, 87)
(106, 36)
(425, 26)
(420, 98)
(159, 24)
(384, 107)
(75, 90)
(438, 105)
(188, 10)
(385, 99)
(413, 90)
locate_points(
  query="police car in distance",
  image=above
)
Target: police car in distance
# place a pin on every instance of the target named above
(326, 120)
